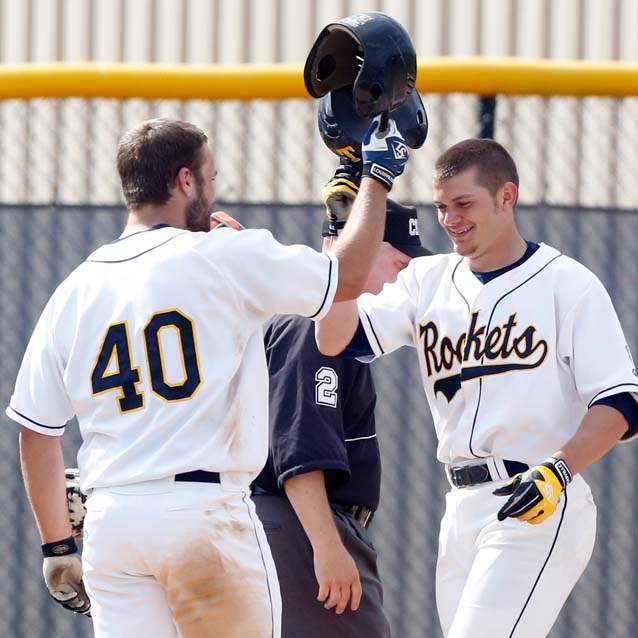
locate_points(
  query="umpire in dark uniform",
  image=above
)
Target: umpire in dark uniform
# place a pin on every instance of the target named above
(320, 487)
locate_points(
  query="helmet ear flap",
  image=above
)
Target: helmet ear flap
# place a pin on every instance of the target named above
(342, 129)
(411, 119)
(330, 126)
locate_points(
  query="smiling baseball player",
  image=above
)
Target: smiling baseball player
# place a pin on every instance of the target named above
(523, 400)
(155, 344)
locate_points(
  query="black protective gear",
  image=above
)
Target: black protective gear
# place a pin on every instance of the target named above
(342, 129)
(372, 53)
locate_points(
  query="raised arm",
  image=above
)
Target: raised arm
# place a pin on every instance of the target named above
(357, 246)
(334, 332)
(384, 155)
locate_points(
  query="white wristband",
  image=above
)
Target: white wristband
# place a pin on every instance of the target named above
(562, 469)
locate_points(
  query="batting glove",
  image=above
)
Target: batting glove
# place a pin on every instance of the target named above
(384, 151)
(533, 495)
(75, 500)
(339, 194)
(62, 570)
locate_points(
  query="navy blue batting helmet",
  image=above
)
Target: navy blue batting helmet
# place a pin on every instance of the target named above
(342, 129)
(372, 53)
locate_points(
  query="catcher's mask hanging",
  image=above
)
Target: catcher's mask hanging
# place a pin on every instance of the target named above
(369, 51)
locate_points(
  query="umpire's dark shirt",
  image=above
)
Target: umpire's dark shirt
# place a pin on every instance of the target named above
(321, 417)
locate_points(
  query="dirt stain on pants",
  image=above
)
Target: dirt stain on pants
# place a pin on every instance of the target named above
(212, 592)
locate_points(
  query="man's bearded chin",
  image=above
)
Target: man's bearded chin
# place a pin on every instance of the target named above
(198, 214)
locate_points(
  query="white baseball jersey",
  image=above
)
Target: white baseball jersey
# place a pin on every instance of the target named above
(510, 367)
(155, 344)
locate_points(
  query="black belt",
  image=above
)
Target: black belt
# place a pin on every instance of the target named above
(468, 475)
(360, 513)
(198, 476)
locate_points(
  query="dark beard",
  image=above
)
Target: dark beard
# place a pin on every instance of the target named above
(198, 212)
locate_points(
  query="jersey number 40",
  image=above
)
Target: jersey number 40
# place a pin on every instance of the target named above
(114, 369)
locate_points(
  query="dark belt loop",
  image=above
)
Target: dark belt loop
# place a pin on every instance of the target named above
(198, 476)
(514, 467)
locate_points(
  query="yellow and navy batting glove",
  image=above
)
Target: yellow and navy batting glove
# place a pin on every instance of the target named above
(339, 194)
(533, 495)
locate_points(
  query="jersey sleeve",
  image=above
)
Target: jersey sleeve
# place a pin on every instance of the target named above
(270, 278)
(626, 405)
(388, 319)
(592, 341)
(306, 409)
(40, 401)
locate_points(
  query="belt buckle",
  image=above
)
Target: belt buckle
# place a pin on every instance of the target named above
(362, 514)
(487, 476)
(456, 476)
(463, 476)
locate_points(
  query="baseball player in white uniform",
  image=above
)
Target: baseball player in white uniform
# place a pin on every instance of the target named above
(155, 344)
(522, 396)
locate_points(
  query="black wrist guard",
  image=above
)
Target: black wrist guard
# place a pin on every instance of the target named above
(60, 548)
(381, 174)
(331, 227)
(350, 170)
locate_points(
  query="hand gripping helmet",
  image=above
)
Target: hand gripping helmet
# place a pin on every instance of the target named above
(342, 130)
(372, 53)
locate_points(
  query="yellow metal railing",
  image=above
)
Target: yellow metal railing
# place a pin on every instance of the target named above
(481, 76)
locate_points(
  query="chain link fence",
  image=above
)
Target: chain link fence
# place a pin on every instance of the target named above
(569, 151)
(40, 245)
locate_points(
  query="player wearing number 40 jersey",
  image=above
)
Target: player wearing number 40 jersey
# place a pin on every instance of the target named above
(155, 344)
(508, 335)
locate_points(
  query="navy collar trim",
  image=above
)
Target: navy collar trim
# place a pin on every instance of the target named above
(485, 277)
(139, 232)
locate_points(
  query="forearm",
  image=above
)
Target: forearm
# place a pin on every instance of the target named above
(43, 473)
(357, 245)
(601, 428)
(308, 497)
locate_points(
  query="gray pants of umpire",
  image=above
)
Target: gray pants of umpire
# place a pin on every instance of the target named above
(302, 615)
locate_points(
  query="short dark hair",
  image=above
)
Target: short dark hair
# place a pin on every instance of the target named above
(150, 156)
(494, 164)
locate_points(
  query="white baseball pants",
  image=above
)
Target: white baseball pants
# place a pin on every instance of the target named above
(509, 579)
(167, 559)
